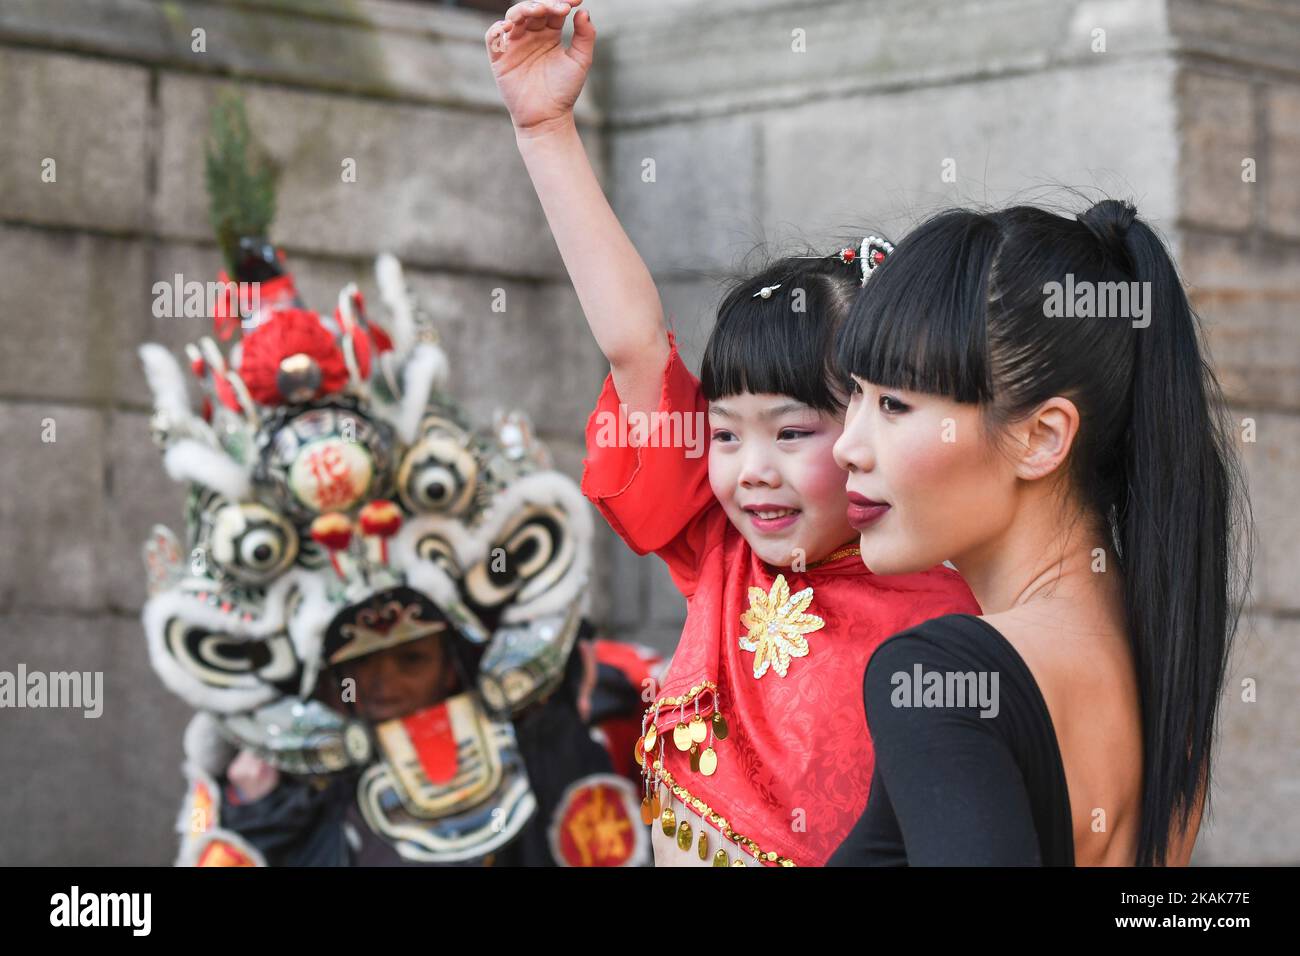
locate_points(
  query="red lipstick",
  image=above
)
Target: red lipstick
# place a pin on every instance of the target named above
(863, 511)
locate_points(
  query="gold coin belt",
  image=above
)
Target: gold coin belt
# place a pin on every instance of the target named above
(687, 736)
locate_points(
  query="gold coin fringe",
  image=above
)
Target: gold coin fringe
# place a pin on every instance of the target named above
(687, 736)
(686, 698)
(719, 821)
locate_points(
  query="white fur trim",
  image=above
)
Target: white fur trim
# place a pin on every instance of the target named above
(426, 368)
(427, 577)
(190, 460)
(392, 292)
(204, 745)
(310, 621)
(166, 381)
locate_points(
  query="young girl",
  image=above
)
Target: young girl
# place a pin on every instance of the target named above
(747, 743)
(1086, 490)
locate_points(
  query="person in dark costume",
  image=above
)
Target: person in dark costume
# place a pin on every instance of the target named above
(380, 616)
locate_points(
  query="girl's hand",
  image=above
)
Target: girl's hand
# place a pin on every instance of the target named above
(538, 77)
(252, 777)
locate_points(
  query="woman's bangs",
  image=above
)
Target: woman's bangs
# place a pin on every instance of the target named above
(919, 325)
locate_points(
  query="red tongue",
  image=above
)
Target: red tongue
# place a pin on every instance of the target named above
(431, 736)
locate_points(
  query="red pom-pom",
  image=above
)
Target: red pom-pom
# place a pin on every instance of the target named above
(290, 332)
(199, 367)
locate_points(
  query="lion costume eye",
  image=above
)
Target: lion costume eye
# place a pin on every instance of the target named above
(432, 487)
(435, 548)
(252, 543)
(219, 660)
(438, 474)
(528, 557)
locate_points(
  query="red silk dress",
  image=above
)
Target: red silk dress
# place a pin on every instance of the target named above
(790, 776)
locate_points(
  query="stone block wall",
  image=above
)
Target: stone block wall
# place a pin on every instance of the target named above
(764, 121)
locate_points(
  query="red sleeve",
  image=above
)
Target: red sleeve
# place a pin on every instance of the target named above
(656, 497)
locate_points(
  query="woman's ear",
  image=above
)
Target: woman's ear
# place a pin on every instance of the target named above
(1046, 436)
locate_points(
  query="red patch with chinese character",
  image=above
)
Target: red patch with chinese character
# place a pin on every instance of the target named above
(593, 825)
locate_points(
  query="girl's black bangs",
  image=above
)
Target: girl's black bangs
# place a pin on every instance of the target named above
(764, 346)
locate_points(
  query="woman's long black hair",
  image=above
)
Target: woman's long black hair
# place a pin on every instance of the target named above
(961, 309)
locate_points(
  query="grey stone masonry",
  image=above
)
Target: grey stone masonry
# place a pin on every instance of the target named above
(716, 126)
(772, 119)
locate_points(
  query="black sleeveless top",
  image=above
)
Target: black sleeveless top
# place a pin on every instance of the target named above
(968, 771)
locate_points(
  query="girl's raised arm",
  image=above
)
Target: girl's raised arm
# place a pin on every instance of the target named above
(539, 80)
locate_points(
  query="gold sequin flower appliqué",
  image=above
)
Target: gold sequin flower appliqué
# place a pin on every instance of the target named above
(777, 625)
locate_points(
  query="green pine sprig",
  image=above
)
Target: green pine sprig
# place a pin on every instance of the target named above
(240, 180)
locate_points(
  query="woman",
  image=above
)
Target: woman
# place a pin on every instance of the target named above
(1031, 402)
(742, 745)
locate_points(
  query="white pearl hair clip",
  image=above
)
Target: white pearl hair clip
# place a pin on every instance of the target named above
(873, 252)
(869, 255)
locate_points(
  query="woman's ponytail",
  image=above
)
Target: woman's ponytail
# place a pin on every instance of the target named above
(1176, 528)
